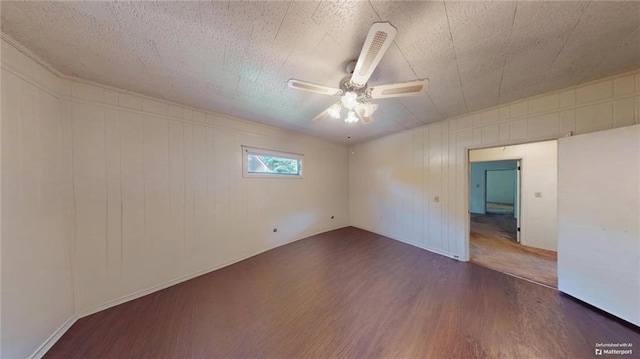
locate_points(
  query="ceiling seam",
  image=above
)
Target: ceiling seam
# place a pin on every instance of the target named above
(416, 75)
(202, 64)
(506, 58)
(411, 112)
(563, 46)
(282, 21)
(182, 105)
(313, 13)
(274, 37)
(455, 54)
(374, 10)
(411, 67)
(157, 51)
(190, 85)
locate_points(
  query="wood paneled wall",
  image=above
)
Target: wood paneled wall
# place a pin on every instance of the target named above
(394, 180)
(159, 192)
(108, 194)
(37, 206)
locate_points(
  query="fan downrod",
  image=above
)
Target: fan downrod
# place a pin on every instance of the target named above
(351, 66)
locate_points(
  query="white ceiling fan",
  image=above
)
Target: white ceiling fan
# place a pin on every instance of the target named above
(355, 95)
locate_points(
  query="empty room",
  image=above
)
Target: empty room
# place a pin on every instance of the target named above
(300, 179)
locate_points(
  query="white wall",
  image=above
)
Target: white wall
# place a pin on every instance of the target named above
(394, 179)
(478, 185)
(137, 194)
(539, 173)
(37, 206)
(599, 220)
(157, 197)
(501, 186)
(160, 194)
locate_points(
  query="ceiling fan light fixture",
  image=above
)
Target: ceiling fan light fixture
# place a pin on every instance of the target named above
(349, 100)
(351, 117)
(334, 111)
(369, 108)
(353, 89)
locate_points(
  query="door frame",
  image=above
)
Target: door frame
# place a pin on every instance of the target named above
(518, 201)
(466, 177)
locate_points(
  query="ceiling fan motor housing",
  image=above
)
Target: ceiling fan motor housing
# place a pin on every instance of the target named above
(353, 89)
(351, 66)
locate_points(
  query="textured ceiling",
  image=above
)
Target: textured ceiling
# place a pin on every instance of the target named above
(236, 57)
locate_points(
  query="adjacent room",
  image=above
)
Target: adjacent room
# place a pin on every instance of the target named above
(513, 208)
(319, 179)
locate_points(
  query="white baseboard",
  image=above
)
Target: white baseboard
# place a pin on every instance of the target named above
(42, 350)
(433, 250)
(184, 278)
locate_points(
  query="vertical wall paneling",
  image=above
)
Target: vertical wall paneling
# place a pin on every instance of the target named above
(132, 187)
(107, 193)
(160, 197)
(37, 208)
(443, 147)
(137, 194)
(189, 192)
(177, 200)
(435, 183)
(114, 193)
(90, 194)
(444, 192)
(417, 176)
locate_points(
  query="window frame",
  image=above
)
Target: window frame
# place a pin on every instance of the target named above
(247, 150)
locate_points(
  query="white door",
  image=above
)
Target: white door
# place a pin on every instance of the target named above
(599, 220)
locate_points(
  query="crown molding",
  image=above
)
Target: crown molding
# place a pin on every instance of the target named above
(30, 54)
(207, 112)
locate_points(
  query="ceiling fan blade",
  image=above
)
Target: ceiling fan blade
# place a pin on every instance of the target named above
(398, 89)
(360, 112)
(311, 87)
(322, 115)
(378, 40)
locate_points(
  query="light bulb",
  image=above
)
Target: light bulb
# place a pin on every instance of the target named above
(349, 100)
(369, 109)
(351, 117)
(334, 111)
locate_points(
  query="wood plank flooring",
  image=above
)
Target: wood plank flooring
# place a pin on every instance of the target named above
(347, 293)
(493, 245)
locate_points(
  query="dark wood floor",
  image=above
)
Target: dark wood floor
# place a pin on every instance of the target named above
(347, 294)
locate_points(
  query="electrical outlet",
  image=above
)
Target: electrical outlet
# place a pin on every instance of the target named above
(538, 194)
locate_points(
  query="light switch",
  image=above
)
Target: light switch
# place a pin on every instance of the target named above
(538, 194)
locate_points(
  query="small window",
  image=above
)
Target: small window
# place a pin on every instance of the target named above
(266, 163)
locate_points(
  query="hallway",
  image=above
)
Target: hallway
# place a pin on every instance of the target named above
(493, 245)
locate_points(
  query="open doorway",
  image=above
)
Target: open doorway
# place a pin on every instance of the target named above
(513, 210)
